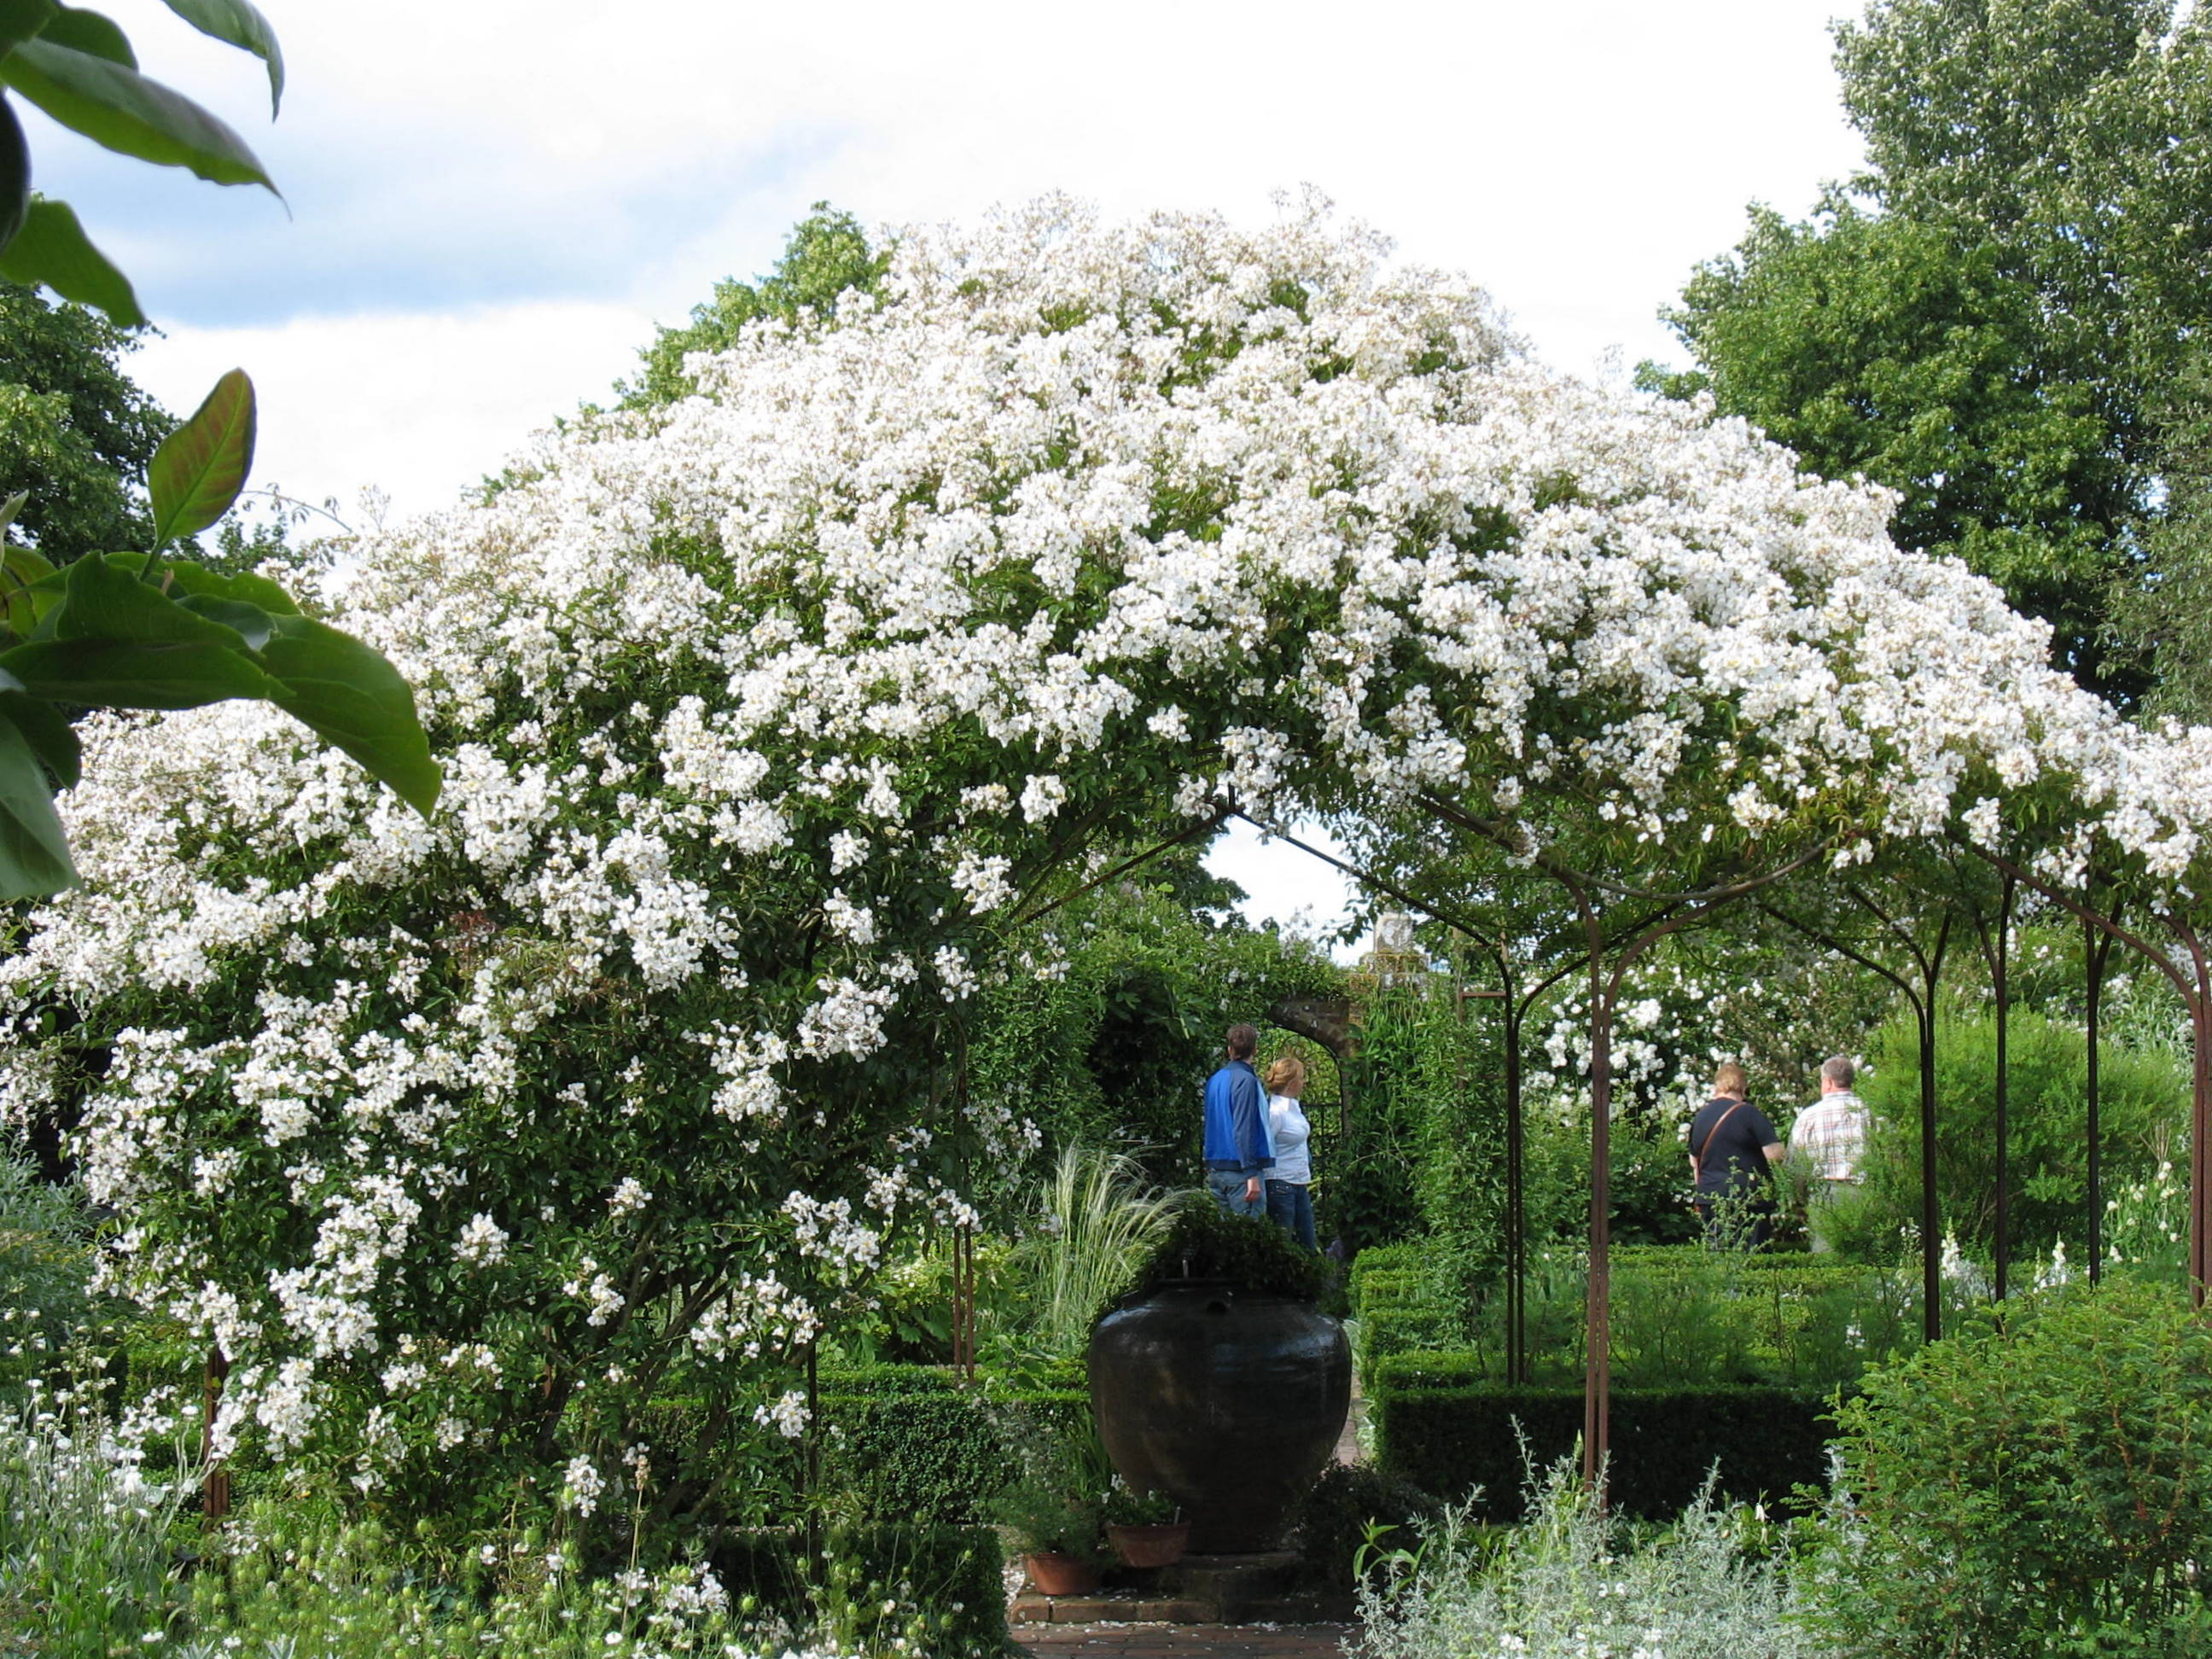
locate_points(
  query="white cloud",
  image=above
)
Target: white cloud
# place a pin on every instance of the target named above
(418, 407)
(1285, 885)
(440, 154)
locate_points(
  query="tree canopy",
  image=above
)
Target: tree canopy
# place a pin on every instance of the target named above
(826, 255)
(1989, 319)
(76, 434)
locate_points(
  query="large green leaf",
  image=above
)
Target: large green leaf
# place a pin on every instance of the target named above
(90, 32)
(34, 855)
(10, 506)
(51, 248)
(198, 580)
(352, 697)
(103, 599)
(120, 108)
(125, 674)
(47, 732)
(201, 467)
(21, 569)
(15, 174)
(236, 23)
(21, 19)
(253, 624)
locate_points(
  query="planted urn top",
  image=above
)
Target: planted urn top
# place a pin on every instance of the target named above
(1205, 1247)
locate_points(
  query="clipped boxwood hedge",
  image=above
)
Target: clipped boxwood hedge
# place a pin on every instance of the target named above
(1383, 1273)
(1447, 1439)
(911, 1444)
(1388, 1330)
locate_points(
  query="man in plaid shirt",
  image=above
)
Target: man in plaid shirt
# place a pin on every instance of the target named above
(1831, 1136)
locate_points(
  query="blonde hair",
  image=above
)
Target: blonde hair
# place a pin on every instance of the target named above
(1729, 1079)
(1284, 1070)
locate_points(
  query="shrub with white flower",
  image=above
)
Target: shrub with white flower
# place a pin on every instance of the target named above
(770, 718)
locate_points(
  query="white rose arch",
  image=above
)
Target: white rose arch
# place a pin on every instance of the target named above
(770, 718)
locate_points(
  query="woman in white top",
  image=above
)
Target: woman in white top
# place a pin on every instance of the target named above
(1290, 1198)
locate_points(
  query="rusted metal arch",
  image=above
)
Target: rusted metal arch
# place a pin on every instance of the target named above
(2193, 982)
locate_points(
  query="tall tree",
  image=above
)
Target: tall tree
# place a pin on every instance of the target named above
(76, 434)
(1882, 345)
(1988, 319)
(2166, 618)
(826, 255)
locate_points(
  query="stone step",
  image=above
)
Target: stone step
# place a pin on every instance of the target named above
(1030, 1608)
(1231, 1577)
(1200, 1589)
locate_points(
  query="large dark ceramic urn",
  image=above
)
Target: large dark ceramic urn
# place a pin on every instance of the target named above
(1227, 1401)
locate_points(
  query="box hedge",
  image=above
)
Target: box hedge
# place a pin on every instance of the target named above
(1392, 1330)
(911, 1444)
(1397, 1264)
(1450, 1439)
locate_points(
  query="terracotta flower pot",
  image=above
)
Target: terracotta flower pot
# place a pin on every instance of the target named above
(1160, 1544)
(1054, 1574)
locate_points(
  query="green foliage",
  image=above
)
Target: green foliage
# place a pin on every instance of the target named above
(909, 1320)
(1905, 351)
(174, 637)
(1575, 1581)
(1341, 1511)
(826, 257)
(1205, 1243)
(2040, 1486)
(1116, 1052)
(1385, 1262)
(873, 1589)
(84, 1539)
(1452, 1440)
(75, 433)
(2143, 1105)
(1053, 1496)
(911, 1444)
(45, 1271)
(1679, 1316)
(2001, 342)
(2168, 616)
(1424, 1147)
(128, 631)
(89, 1562)
(1417, 1327)
(79, 69)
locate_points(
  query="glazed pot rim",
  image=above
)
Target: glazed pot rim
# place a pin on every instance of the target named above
(1234, 1286)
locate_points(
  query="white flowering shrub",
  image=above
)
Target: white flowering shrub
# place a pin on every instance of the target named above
(767, 717)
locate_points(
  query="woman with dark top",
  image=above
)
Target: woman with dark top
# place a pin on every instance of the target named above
(1731, 1147)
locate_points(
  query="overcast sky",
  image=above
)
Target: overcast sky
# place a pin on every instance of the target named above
(489, 202)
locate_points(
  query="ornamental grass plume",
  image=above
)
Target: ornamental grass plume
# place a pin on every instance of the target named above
(1096, 1222)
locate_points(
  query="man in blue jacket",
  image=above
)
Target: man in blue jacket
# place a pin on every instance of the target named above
(1239, 1151)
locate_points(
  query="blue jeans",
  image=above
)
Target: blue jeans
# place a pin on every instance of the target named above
(1227, 1187)
(1290, 1206)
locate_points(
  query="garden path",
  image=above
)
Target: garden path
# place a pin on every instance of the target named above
(1184, 1641)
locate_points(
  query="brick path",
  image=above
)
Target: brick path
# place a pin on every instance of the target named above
(1182, 1641)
